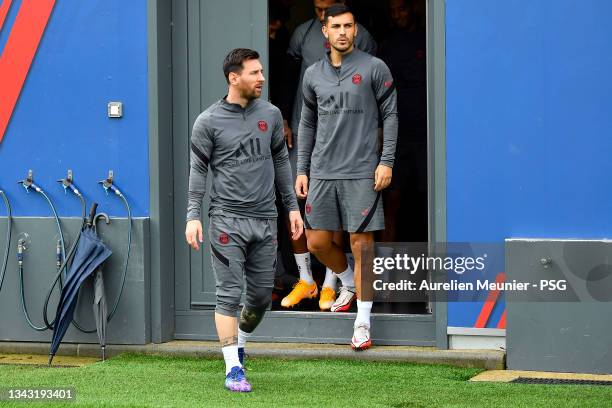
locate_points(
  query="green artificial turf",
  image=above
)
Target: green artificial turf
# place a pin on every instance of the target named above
(147, 381)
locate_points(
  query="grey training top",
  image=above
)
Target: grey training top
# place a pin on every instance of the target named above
(246, 151)
(310, 45)
(341, 109)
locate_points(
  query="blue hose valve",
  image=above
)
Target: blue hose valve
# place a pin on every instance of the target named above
(68, 183)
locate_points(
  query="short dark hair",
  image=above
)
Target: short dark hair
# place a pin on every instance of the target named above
(234, 60)
(335, 10)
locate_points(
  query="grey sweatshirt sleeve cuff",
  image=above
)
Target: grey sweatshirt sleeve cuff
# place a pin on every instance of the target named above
(194, 205)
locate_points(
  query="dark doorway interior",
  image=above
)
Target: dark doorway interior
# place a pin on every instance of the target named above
(399, 28)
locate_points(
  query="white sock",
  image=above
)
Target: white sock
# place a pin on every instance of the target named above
(242, 338)
(347, 277)
(330, 279)
(363, 313)
(230, 355)
(303, 263)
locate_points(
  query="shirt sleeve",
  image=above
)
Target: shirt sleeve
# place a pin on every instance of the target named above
(308, 125)
(386, 98)
(199, 157)
(365, 42)
(295, 43)
(282, 168)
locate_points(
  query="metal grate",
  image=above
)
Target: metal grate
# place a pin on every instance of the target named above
(561, 381)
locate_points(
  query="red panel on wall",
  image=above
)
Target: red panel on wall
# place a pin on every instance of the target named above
(19, 51)
(4, 8)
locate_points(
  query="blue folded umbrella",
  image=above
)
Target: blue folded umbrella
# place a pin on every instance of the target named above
(91, 252)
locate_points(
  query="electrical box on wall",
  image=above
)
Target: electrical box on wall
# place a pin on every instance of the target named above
(115, 109)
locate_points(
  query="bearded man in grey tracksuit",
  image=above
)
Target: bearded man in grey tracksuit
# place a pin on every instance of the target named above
(344, 97)
(241, 138)
(307, 46)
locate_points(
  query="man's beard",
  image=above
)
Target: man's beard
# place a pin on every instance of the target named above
(348, 45)
(249, 94)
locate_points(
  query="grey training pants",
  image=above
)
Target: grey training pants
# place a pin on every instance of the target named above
(242, 247)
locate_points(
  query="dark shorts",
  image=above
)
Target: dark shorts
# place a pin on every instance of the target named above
(348, 205)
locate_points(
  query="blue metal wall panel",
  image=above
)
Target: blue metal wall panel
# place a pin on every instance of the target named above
(528, 122)
(92, 52)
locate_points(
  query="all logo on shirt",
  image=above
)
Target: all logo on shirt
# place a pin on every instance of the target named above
(356, 79)
(224, 238)
(341, 103)
(388, 83)
(308, 208)
(263, 126)
(327, 45)
(255, 149)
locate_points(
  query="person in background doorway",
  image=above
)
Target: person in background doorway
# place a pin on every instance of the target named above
(404, 51)
(278, 37)
(307, 46)
(278, 41)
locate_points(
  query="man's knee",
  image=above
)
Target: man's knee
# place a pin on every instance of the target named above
(361, 242)
(258, 297)
(318, 244)
(228, 301)
(250, 317)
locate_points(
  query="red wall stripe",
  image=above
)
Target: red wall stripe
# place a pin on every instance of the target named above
(19, 52)
(488, 305)
(502, 321)
(4, 8)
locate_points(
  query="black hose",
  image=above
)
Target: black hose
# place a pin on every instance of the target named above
(23, 303)
(64, 265)
(20, 262)
(8, 238)
(61, 268)
(67, 259)
(57, 222)
(127, 257)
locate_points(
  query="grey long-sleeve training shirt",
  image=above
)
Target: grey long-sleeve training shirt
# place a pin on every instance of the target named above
(246, 151)
(341, 108)
(309, 44)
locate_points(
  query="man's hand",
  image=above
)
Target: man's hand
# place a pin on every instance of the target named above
(301, 186)
(297, 225)
(382, 177)
(193, 234)
(288, 134)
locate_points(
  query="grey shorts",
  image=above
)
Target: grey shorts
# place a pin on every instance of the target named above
(348, 205)
(242, 247)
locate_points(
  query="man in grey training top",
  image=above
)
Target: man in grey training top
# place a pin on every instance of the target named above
(241, 138)
(344, 97)
(307, 46)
